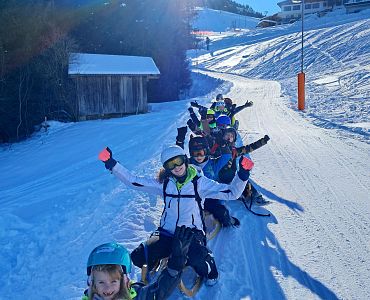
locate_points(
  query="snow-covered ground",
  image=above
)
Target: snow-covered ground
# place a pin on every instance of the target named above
(57, 201)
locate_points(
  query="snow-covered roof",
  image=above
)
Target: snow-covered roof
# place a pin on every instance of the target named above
(97, 64)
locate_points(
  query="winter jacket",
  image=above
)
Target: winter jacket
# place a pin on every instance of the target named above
(212, 166)
(181, 206)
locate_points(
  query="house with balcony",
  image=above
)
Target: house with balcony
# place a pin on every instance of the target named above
(291, 10)
(354, 6)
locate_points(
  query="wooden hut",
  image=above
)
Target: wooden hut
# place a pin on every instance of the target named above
(110, 85)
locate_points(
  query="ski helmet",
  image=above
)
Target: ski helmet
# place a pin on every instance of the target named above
(171, 152)
(219, 97)
(198, 143)
(109, 254)
(231, 130)
(210, 111)
(228, 101)
(223, 121)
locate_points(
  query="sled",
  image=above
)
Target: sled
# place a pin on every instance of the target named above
(213, 226)
(190, 282)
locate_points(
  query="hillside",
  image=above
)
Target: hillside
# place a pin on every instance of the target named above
(220, 21)
(57, 201)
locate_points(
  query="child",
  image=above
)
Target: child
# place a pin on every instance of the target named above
(184, 191)
(109, 264)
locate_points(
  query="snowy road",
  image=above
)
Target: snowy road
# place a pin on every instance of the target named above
(316, 245)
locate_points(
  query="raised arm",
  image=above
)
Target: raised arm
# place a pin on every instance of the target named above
(149, 185)
(254, 146)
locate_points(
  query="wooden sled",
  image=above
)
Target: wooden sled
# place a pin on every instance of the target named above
(195, 280)
(157, 269)
(213, 226)
(190, 282)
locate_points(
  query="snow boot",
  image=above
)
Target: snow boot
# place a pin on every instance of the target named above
(212, 276)
(260, 201)
(235, 222)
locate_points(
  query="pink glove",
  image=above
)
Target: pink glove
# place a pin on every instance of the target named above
(105, 154)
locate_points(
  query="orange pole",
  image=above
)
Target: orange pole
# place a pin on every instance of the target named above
(301, 80)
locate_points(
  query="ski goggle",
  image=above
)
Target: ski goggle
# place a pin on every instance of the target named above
(220, 103)
(198, 153)
(172, 163)
(211, 117)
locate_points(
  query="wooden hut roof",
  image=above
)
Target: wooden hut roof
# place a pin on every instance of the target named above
(103, 64)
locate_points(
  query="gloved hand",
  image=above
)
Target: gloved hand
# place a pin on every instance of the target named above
(245, 165)
(181, 133)
(203, 112)
(248, 103)
(191, 110)
(180, 247)
(106, 157)
(266, 138)
(191, 125)
(194, 104)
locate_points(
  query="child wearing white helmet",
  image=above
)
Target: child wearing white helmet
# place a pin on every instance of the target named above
(183, 190)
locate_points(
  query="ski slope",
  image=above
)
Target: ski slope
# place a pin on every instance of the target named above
(57, 201)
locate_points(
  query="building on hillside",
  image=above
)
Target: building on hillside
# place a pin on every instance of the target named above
(291, 10)
(269, 21)
(353, 6)
(110, 85)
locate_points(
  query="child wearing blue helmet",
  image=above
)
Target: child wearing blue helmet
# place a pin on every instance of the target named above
(109, 264)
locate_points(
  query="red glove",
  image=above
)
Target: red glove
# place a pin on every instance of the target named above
(106, 157)
(246, 163)
(105, 154)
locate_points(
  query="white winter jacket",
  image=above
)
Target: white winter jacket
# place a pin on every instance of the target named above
(182, 209)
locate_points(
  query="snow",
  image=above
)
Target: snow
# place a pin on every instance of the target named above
(84, 63)
(58, 202)
(220, 21)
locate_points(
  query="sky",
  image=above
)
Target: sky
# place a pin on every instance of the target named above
(262, 5)
(58, 202)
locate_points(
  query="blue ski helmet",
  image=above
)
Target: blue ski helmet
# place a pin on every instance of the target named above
(223, 121)
(110, 254)
(219, 97)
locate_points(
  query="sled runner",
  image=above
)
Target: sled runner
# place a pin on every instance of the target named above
(190, 282)
(213, 226)
(259, 211)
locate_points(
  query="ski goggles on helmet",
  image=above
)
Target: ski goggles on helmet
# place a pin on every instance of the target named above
(220, 103)
(198, 153)
(174, 162)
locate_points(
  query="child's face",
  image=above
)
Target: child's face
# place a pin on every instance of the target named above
(106, 286)
(179, 170)
(229, 137)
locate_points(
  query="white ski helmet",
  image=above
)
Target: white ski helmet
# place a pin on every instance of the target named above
(171, 152)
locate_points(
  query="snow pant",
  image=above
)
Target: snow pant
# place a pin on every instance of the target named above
(159, 246)
(219, 211)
